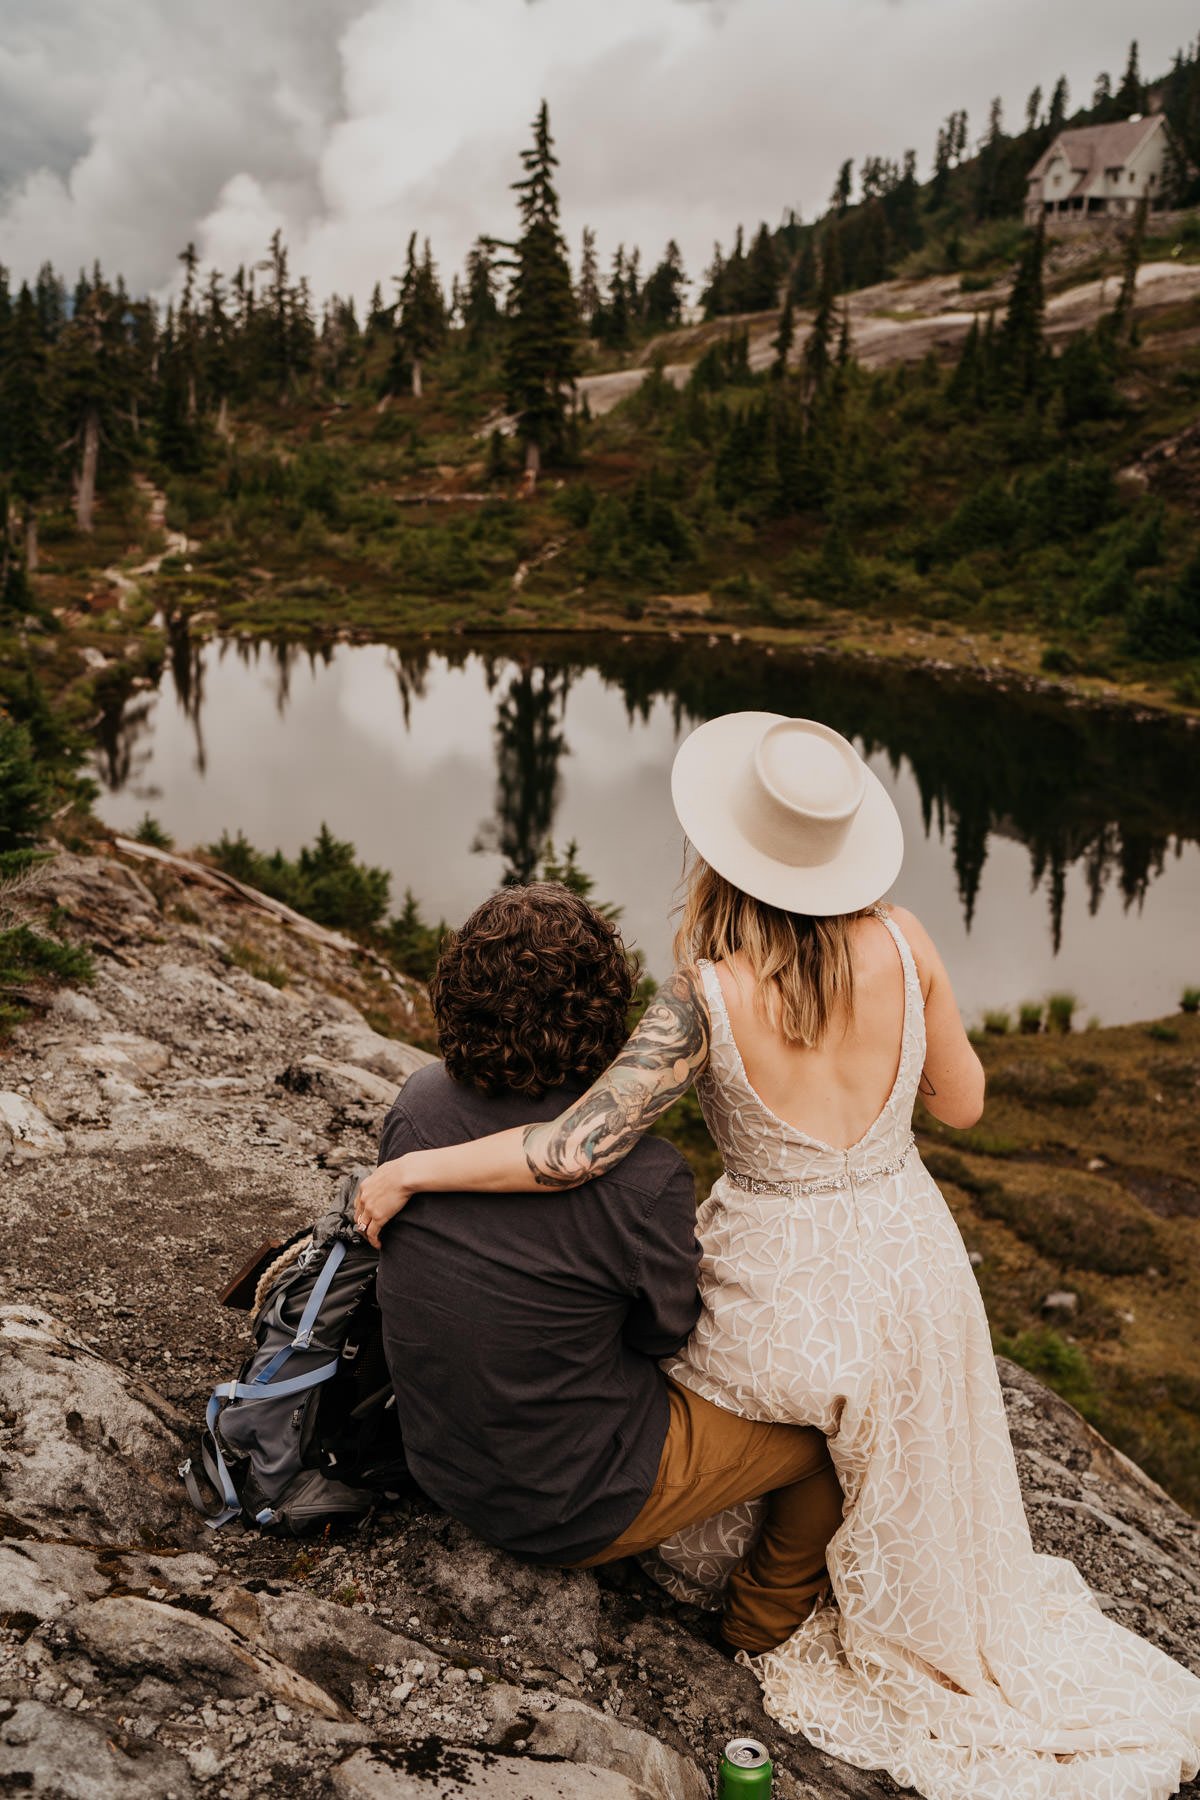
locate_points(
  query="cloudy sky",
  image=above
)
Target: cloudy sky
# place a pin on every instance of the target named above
(129, 126)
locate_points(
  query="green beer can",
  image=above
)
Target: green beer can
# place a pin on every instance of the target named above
(745, 1772)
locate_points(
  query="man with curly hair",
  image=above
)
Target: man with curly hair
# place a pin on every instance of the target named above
(524, 1334)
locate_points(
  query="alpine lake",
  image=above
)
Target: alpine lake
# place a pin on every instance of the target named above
(1051, 846)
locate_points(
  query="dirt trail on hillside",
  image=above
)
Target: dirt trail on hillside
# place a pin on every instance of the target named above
(901, 321)
(177, 544)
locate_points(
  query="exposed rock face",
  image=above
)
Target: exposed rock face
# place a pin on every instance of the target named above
(141, 1655)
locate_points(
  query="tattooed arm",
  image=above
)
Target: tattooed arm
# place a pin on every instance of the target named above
(658, 1064)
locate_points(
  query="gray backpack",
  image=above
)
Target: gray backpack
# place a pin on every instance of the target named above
(306, 1434)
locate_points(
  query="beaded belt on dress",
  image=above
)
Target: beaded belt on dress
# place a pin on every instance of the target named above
(799, 1190)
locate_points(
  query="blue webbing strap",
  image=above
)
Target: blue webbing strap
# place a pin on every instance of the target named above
(308, 1317)
(215, 1465)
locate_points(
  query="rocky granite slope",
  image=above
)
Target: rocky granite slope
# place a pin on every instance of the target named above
(153, 1129)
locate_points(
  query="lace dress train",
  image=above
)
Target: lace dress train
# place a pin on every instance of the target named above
(838, 1293)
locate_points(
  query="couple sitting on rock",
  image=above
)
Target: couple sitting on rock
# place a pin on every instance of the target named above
(568, 1390)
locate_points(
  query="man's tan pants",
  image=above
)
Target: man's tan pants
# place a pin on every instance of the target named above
(713, 1459)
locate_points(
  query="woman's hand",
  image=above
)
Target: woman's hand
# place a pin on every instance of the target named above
(382, 1195)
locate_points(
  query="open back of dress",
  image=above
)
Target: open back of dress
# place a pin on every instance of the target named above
(838, 1293)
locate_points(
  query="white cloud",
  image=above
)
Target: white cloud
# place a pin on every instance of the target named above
(129, 128)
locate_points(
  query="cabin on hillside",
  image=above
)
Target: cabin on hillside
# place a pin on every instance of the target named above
(1099, 169)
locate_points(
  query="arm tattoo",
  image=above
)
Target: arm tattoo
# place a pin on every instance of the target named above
(657, 1065)
(925, 1086)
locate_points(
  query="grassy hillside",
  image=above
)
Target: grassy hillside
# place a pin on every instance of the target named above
(927, 509)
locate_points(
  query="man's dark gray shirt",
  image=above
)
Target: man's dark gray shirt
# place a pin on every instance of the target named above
(522, 1330)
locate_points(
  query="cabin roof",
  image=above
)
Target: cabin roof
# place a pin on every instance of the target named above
(1094, 148)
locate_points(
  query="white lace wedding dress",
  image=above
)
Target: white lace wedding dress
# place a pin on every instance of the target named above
(837, 1293)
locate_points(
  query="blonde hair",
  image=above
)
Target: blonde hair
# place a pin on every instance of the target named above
(801, 966)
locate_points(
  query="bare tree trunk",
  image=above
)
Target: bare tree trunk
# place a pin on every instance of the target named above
(223, 417)
(85, 491)
(191, 399)
(533, 465)
(417, 388)
(134, 418)
(31, 540)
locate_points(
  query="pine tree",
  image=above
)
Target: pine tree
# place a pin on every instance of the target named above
(216, 351)
(1181, 104)
(839, 200)
(964, 387)
(276, 335)
(1131, 95)
(187, 335)
(377, 312)
(762, 274)
(420, 317)
(94, 375)
(541, 361)
(50, 299)
(712, 294)
(1123, 322)
(615, 314)
(1102, 99)
(179, 439)
(818, 350)
(1022, 345)
(1057, 116)
(804, 276)
(1033, 110)
(735, 286)
(784, 338)
(633, 287)
(902, 206)
(27, 420)
(588, 297)
(662, 296)
(987, 166)
(844, 349)
(480, 306)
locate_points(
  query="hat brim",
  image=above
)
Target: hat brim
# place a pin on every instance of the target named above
(708, 768)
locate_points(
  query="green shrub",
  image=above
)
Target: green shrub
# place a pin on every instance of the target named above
(1162, 1033)
(1060, 1012)
(29, 961)
(149, 831)
(1062, 1366)
(411, 943)
(24, 793)
(326, 882)
(1029, 1018)
(1045, 1083)
(1189, 1000)
(998, 1023)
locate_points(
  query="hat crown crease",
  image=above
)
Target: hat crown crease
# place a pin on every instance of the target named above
(801, 792)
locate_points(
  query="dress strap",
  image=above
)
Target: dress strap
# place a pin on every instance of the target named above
(914, 999)
(720, 1030)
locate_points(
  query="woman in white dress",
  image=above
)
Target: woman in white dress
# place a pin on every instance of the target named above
(837, 1292)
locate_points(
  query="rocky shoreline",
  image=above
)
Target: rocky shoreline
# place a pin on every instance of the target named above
(154, 1128)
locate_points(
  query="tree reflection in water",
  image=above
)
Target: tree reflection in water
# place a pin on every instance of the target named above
(530, 746)
(1075, 785)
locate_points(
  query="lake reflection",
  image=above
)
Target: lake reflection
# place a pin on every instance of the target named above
(1047, 847)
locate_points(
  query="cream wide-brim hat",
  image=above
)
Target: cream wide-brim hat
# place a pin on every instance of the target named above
(788, 811)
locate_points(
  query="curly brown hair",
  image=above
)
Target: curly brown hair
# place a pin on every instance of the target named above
(532, 992)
